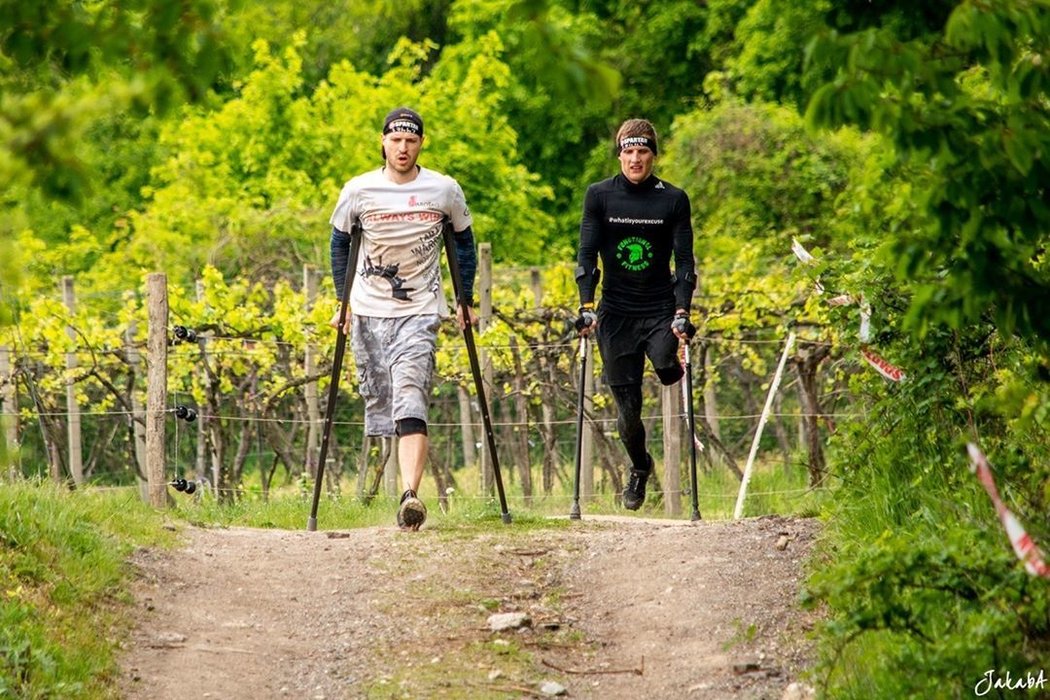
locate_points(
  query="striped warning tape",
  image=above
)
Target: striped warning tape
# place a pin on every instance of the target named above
(1024, 547)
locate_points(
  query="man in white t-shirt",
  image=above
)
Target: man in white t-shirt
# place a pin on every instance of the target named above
(396, 300)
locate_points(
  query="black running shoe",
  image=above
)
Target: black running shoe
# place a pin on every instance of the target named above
(412, 513)
(634, 494)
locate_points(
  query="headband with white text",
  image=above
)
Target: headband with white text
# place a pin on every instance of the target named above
(636, 141)
(403, 125)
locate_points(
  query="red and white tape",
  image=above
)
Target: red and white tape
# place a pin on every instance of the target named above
(881, 365)
(1024, 547)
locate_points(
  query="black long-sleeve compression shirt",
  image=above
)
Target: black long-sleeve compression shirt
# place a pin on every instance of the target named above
(636, 229)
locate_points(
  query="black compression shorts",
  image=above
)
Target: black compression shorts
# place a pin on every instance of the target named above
(624, 342)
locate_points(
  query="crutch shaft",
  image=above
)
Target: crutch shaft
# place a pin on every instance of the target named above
(692, 433)
(337, 369)
(475, 367)
(574, 512)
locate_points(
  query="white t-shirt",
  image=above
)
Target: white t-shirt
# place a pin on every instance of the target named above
(398, 267)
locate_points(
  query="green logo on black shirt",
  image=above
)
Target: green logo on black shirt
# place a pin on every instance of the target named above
(634, 253)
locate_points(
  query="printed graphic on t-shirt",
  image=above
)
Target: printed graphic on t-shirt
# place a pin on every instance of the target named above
(398, 290)
(634, 253)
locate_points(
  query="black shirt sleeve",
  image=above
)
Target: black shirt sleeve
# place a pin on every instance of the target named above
(590, 239)
(684, 264)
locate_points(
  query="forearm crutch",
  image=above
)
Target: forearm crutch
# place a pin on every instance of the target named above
(337, 369)
(692, 429)
(475, 368)
(574, 512)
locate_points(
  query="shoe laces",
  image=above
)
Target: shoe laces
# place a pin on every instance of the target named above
(637, 481)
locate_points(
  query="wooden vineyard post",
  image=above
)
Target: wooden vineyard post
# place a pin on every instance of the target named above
(671, 402)
(156, 387)
(73, 431)
(314, 424)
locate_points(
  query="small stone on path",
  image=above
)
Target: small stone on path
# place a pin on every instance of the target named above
(507, 621)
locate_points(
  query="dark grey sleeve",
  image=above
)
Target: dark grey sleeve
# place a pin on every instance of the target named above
(467, 259)
(340, 250)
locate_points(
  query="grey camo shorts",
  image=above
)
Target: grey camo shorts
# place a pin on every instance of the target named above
(395, 367)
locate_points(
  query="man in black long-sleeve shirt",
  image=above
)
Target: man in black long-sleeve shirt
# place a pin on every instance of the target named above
(636, 223)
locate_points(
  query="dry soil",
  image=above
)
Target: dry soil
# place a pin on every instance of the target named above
(615, 607)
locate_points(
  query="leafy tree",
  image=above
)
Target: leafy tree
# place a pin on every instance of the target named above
(67, 64)
(249, 186)
(758, 180)
(558, 95)
(967, 110)
(76, 78)
(362, 33)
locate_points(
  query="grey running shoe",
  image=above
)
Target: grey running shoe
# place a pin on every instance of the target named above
(412, 513)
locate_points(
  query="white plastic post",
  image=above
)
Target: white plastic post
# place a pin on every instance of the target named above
(774, 385)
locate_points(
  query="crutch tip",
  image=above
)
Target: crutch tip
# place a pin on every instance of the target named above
(311, 524)
(506, 518)
(574, 512)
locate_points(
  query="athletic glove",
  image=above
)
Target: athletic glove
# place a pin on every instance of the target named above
(586, 320)
(682, 326)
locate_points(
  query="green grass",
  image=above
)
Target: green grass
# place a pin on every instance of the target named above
(772, 490)
(62, 578)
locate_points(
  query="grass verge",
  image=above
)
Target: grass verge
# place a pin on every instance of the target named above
(62, 576)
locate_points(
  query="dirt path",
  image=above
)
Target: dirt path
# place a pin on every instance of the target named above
(617, 608)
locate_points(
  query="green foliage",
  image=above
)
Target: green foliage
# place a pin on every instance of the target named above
(61, 570)
(557, 95)
(362, 33)
(66, 65)
(938, 586)
(769, 47)
(249, 187)
(967, 111)
(952, 607)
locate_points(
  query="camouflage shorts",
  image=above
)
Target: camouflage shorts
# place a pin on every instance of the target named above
(395, 367)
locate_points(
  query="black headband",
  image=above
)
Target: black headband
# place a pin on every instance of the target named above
(633, 141)
(408, 126)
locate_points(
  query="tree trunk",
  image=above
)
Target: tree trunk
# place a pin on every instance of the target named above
(547, 430)
(670, 402)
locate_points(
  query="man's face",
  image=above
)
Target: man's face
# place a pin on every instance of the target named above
(636, 162)
(402, 150)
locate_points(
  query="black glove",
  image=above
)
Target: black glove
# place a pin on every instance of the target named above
(681, 325)
(586, 319)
